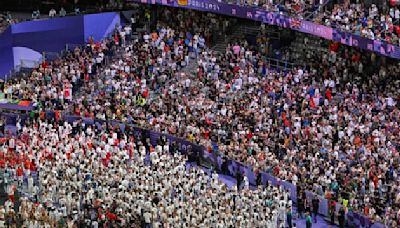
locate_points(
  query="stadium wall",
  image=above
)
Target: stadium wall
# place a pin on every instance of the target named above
(6, 53)
(100, 26)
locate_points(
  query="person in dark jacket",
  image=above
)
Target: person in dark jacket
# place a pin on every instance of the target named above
(259, 179)
(341, 218)
(239, 178)
(174, 148)
(315, 207)
(332, 211)
(225, 167)
(300, 207)
(193, 156)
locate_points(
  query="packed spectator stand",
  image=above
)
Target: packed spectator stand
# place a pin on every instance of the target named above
(296, 8)
(370, 21)
(58, 207)
(98, 176)
(232, 101)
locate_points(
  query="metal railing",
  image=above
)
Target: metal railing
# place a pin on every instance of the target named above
(51, 56)
(281, 64)
(27, 63)
(72, 47)
(26, 66)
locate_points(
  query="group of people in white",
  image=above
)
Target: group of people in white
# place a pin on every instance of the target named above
(98, 177)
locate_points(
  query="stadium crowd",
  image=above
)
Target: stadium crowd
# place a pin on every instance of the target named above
(223, 105)
(355, 17)
(89, 176)
(268, 119)
(52, 145)
(370, 22)
(340, 140)
(296, 8)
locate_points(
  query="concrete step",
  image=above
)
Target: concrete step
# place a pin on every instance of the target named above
(219, 49)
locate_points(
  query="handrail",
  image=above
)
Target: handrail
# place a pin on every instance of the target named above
(281, 64)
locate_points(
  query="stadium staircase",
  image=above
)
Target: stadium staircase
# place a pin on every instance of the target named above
(242, 30)
(250, 31)
(301, 47)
